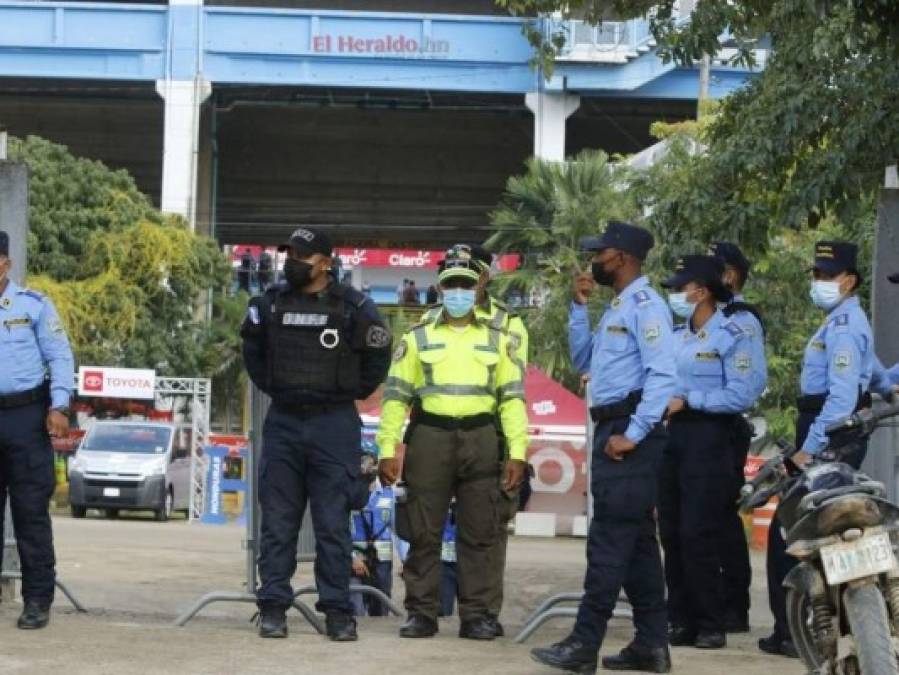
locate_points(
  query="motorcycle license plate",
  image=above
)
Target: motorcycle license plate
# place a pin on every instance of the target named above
(856, 559)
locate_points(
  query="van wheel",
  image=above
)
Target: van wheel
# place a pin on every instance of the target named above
(168, 507)
(78, 511)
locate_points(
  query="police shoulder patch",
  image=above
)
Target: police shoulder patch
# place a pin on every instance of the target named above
(652, 332)
(377, 337)
(400, 351)
(743, 361)
(732, 328)
(841, 323)
(642, 298)
(842, 359)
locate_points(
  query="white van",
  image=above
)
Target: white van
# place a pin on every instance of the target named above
(130, 465)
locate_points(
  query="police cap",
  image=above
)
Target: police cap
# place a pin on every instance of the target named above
(730, 254)
(835, 257)
(4, 243)
(622, 236)
(459, 262)
(705, 270)
(308, 240)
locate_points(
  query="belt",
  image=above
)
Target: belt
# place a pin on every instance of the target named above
(307, 409)
(814, 403)
(691, 415)
(622, 408)
(17, 400)
(448, 423)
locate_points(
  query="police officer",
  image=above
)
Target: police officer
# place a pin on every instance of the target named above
(630, 359)
(463, 371)
(836, 372)
(714, 385)
(36, 382)
(734, 552)
(315, 346)
(500, 316)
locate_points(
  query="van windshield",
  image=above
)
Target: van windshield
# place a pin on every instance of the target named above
(131, 438)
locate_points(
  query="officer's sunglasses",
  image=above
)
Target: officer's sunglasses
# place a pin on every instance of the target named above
(458, 282)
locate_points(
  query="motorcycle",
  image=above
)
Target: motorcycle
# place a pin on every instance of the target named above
(843, 596)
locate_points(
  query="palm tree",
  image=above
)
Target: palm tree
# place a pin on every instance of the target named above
(542, 215)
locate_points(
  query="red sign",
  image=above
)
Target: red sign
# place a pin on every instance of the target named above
(406, 258)
(93, 380)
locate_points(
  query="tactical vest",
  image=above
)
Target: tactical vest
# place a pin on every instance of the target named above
(308, 345)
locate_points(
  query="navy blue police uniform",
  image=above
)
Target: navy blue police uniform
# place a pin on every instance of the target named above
(314, 355)
(836, 374)
(37, 374)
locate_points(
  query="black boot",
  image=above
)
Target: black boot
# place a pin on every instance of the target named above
(570, 654)
(35, 615)
(480, 628)
(681, 636)
(498, 629)
(710, 639)
(775, 644)
(272, 620)
(636, 657)
(340, 627)
(418, 626)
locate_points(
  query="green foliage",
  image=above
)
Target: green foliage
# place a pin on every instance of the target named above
(128, 281)
(543, 214)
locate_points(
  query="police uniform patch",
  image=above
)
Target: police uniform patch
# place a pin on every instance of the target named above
(743, 361)
(842, 359)
(304, 319)
(616, 303)
(841, 323)
(399, 352)
(55, 326)
(651, 333)
(818, 345)
(617, 330)
(702, 335)
(642, 297)
(253, 314)
(5, 303)
(22, 322)
(706, 356)
(733, 329)
(377, 337)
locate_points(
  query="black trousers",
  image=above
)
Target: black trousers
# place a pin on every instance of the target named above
(736, 568)
(28, 477)
(312, 460)
(696, 489)
(622, 547)
(779, 563)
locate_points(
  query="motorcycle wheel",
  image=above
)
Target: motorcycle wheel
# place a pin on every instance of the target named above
(799, 620)
(867, 614)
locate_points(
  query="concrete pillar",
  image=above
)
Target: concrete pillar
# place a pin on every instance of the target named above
(206, 175)
(551, 110)
(181, 144)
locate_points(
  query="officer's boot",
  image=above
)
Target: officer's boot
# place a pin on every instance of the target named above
(35, 615)
(341, 627)
(637, 657)
(272, 621)
(570, 654)
(418, 626)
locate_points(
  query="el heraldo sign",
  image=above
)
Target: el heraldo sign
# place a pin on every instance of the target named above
(116, 382)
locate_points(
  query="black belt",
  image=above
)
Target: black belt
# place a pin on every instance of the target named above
(814, 403)
(692, 415)
(17, 400)
(466, 423)
(307, 409)
(622, 408)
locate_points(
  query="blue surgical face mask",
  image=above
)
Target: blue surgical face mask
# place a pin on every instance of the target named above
(458, 301)
(825, 294)
(680, 306)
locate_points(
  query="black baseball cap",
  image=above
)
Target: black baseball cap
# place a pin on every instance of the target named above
(622, 236)
(730, 254)
(705, 270)
(308, 240)
(4, 243)
(836, 257)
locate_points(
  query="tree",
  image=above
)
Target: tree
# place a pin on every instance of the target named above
(543, 214)
(812, 132)
(127, 280)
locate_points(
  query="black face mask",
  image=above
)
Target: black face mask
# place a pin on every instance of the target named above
(297, 273)
(601, 276)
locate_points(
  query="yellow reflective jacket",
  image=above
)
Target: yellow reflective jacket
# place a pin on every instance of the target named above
(456, 374)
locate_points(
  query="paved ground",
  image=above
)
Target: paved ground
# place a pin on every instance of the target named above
(136, 576)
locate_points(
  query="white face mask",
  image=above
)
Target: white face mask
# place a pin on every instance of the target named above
(825, 294)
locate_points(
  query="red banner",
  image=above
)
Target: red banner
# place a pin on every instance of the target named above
(406, 258)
